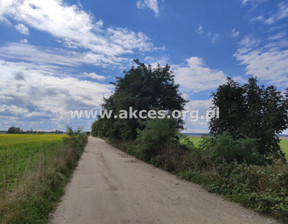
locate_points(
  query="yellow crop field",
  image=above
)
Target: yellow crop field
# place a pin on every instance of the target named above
(20, 153)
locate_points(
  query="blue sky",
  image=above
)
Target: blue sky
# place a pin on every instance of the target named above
(60, 55)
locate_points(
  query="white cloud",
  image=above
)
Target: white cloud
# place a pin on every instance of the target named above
(55, 57)
(129, 40)
(266, 60)
(257, 19)
(200, 125)
(74, 27)
(248, 43)
(35, 90)
(12, 109)
(254, 3)
(277, 36)
(154, 61)
(235, 33)
(24, 41)
(22, 29)
(93, 75)
(151, 4)
(196, 77)
(200, 30)
(212, 37)
(280, 14)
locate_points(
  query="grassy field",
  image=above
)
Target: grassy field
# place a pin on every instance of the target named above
(34, 169)
(283, 144)
(21, 153)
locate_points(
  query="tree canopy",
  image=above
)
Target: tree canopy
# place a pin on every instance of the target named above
(251, 111)
(142, 88)
(14, 130)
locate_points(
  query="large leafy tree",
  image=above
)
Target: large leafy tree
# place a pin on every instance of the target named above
(142, 88)
(251, 111)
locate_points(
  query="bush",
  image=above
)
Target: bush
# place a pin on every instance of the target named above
(157, 134)
(242, 150)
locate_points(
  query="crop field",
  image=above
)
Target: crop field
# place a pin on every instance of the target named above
(283, 144)
(34, 169)
(20, 153)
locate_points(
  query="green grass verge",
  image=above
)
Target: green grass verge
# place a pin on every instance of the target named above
(34, 170)
(260, 188)
(284, 146)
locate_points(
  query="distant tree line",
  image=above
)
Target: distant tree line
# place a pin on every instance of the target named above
(18, 130)
(14, 130)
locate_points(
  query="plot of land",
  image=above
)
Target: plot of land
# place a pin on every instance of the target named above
(21, 152)
(110, 187)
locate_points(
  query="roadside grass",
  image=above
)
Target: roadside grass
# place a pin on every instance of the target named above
(34, 168)
(262, 188)
(284, 146)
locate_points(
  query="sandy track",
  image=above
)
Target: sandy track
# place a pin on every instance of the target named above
(110, 187)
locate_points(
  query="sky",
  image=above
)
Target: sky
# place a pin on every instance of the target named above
(57, 56)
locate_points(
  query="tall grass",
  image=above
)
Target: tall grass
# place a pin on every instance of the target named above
(33, 172)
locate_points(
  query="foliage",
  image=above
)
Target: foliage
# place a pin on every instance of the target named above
(251, 111)
(243, 150)
(34, 170)
(187, 141)
(260, 187)
(72, 132)
(13, 130)
(142, 88)
(156, 135)
(198, 141)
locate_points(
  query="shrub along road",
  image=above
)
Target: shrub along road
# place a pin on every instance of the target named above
(109, 186)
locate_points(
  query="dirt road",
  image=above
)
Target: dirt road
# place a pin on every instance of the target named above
(110, 187)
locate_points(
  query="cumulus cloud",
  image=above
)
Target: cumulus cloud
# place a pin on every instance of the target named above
(22, 29)
(74, 27)
(196, 77)
(35, 90)
(151, 4)
(12, 109)
(93, 75)
(265, 59)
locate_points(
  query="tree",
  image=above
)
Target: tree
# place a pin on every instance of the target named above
(142, 88)
(230, 99)
(251, 111)
(14, 130)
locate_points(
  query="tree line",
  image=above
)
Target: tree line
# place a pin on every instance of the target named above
(247, 111)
